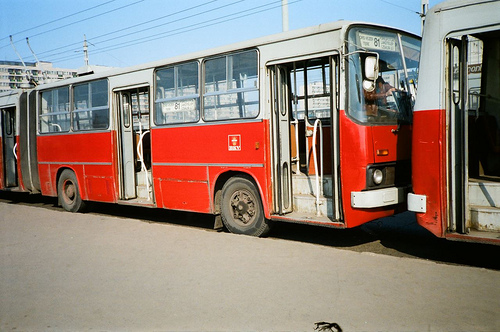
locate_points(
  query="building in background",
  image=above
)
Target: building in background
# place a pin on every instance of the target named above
(14, 75)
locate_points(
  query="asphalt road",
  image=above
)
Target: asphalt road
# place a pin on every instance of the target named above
(124, 268)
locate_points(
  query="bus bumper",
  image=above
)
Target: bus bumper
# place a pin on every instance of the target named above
(377, 198)
(417, 203)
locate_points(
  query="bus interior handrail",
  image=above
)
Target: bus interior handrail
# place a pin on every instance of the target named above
(318, 176)
(296, 159)
(140, 154)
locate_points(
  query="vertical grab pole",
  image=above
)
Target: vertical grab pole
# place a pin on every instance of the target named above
(140, 154)
(295, 122)
(319, 178)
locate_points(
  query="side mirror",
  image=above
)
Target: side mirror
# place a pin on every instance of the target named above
(370, 73)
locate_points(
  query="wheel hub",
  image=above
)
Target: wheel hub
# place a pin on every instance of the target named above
(69, 191)
(243, 207)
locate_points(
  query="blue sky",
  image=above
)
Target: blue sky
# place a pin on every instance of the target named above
(128, 32)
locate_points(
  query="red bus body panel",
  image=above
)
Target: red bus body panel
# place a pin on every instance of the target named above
(398, 144)
(187, 162)
(90, 155)
(429, 168)
(356, 152)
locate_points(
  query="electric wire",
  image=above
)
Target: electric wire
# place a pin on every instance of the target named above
(139, 31)
(164, 35)
(120, 30)
(149, 38)
(399, 6)
(48, 55)
(79, 21)
(58, 19)
(88, 18)
(193, 27)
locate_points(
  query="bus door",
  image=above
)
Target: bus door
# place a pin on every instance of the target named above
(305, 139)
(474, 108)
(458, 117)
(8, 121)
(282, 171)
(134, 144)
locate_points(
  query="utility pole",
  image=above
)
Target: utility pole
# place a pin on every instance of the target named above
(424, 8)
(284, 14)
(85, 51)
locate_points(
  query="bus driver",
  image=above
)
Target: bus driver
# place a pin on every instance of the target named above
(378, 97)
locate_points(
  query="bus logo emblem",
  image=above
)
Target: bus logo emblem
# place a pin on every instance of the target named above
(234, 142)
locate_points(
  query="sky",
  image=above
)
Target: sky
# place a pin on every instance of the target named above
(123, 33)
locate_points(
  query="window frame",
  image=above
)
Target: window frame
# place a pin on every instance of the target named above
(72, 109)
(326, 66)
(197, 96)
(90, 94)
(49, 114)
(229, 72)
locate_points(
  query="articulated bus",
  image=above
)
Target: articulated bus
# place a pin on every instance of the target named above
(456, 133)
(308, 126)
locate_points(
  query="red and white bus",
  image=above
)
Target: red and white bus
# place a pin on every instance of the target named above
(456, 134)
(310, 126)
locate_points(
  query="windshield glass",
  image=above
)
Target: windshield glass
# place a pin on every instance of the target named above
(387, 98)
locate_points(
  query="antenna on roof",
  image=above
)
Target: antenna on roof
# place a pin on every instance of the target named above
(44, 73)
(29, 75)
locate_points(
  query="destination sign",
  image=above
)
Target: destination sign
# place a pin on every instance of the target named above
(375, 42)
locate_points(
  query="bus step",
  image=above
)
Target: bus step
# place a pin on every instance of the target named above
(143, 184)
(138, 202)
(485, 218)
(143, 191)
(306, 204)
(484, 193)
(306, 185)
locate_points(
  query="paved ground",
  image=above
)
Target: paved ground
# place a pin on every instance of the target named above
(107, 272)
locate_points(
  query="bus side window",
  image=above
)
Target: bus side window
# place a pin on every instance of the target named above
(90, 106)
(54, 111)
(177, 94)
(231, 87)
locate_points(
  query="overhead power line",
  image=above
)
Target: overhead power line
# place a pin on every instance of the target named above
(57, 19)
(48, 52)
(399, 6)
(189, 28)
(79, 21)
(171, 22)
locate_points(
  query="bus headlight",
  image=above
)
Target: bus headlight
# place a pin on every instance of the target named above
(378, 176)
(384, 175)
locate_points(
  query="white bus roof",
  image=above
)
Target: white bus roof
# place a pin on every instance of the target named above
(457, 4)
(283, 36)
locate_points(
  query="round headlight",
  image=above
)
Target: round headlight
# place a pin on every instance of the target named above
(378, 176)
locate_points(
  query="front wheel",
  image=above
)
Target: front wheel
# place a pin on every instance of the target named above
(69, 193)
(241, 208)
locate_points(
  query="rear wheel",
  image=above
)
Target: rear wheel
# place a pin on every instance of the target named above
(69, 193)
(241, 208)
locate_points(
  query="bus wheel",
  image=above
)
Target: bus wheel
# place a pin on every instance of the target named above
(241, 208)
(69, 193)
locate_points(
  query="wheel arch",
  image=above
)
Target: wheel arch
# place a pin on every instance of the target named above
(221, 180)
(81, 188)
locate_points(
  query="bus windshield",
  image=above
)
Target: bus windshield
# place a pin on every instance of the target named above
(387, 98)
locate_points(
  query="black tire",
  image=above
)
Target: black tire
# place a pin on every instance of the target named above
(68, 192)
(241, 208)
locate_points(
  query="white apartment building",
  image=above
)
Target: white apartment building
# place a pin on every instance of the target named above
(13, 75)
